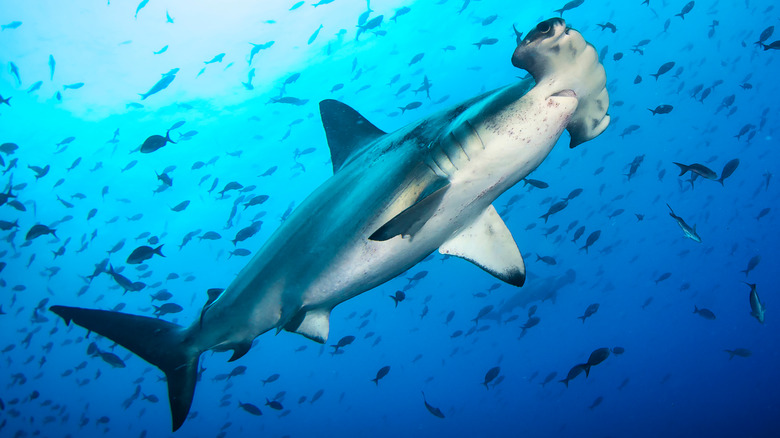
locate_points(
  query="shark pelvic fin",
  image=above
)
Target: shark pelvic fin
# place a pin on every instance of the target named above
(488, 244)
(239, 350)
(314, 324)
(346, 130)
(409, 221)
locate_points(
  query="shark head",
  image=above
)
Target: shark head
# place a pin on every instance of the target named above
(560, 60)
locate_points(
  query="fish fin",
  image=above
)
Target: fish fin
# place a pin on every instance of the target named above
(346, 130)
(409, 221)
(314, 324)
(683, 168)
(158, 342)
(488, 243)
(239, 350)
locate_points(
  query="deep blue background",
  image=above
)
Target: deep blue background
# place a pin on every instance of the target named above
(681, 382)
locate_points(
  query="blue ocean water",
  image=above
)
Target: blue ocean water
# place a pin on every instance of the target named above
(247, 79)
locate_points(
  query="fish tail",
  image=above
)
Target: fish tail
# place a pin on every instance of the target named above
(652, 111)
(560, 11)
(161, 343)
(731, 354)
(695, 309)
(143, 96)
(683, 168)
(168, 137)
(655, 75)
(375, 381)
(158, 251)
(565, 382)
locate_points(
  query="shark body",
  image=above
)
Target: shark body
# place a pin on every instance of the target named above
(393, 199)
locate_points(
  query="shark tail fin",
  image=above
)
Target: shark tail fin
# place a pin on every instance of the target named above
(158, 342)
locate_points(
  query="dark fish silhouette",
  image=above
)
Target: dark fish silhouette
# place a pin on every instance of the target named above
(555, 208)
(663, 69)
(436, 412)
(143, 253)
(752, 263)
(663, 277)
(592, 309)
(482, 313)
(596, 402)
(249, 407)
(569, 6)
(490, 375)
(381, 373)
(596, 357)
(765, 34)
(535, 183)
(687, 8)
(273, 404)
(159, 86)
(704, 313)
(741, 352)
(728, 170)
(592, 238)
(575, 371)
(607, 25)
(485, 42)
(398, 297)
(38, 231)
(166, 309)
(661, 109)
(271, 378)
(155, 142)
(343, 342)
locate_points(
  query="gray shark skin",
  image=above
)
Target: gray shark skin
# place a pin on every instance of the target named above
(393, 200)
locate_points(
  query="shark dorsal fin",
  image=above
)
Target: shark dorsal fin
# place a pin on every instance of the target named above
(347, 131)
(488, 244)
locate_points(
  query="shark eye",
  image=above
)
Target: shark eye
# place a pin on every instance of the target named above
(544, 26)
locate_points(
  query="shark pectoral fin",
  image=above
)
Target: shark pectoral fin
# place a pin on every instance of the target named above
(346, 130)
(409, 221)
(314, 324)
(488, 244)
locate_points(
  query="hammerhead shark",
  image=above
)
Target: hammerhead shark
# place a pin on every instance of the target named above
(394, 198)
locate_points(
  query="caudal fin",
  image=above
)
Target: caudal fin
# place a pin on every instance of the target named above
(683, 168)
(158, 342)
